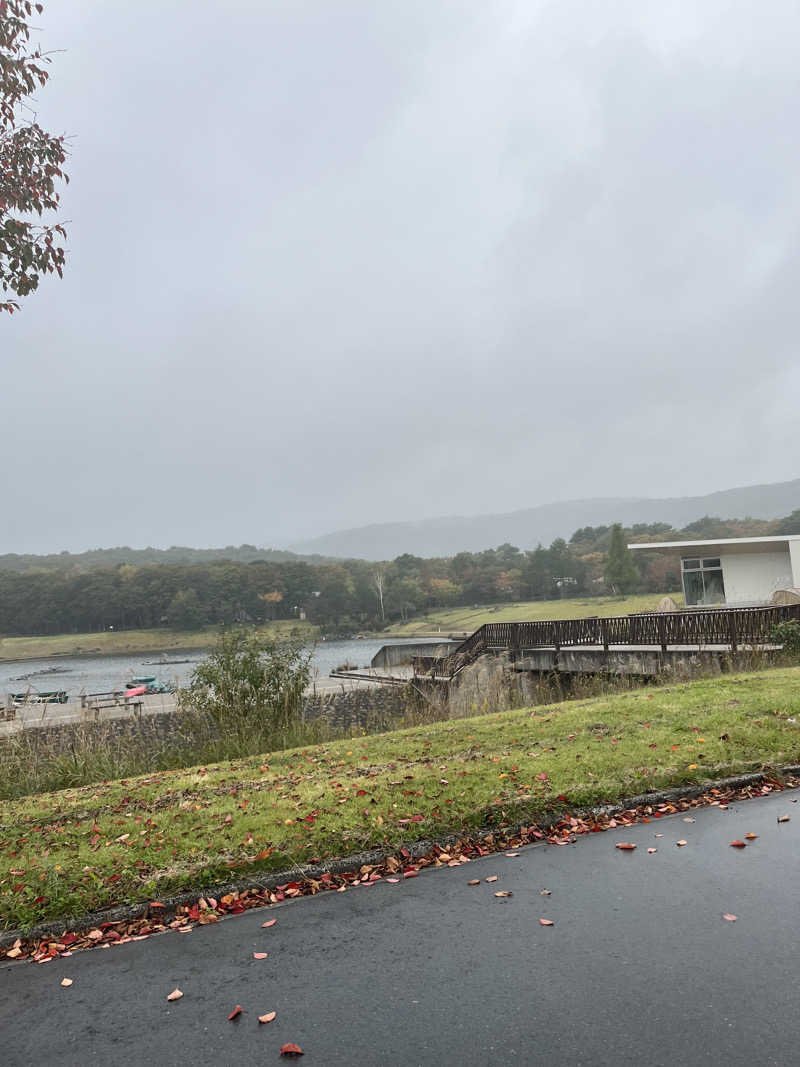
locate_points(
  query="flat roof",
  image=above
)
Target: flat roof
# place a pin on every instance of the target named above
(718, 547)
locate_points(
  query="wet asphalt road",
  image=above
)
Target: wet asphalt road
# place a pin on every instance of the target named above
(640, 967)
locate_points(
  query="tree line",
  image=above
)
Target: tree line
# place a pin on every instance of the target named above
(344, 595)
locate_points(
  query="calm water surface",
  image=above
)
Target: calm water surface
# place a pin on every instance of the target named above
(99, 674)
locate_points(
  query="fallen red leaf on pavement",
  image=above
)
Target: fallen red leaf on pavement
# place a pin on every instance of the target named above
(511, 854)
(492, 878)
(237, 1011)
(474, 881)
(738, 844)
(392, 880)
(504, 893)
(680, 843)
(546, 922)
(268, 1017)
(626, 846)
(268, 923)
(729, 917)
(545, 892)
(783, 818)
(652, 850)
(291, 1050)
(260, 955)
(66, 982)
(175, 994)
(750, 837)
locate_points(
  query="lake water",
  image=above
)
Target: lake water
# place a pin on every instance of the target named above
(101, 674)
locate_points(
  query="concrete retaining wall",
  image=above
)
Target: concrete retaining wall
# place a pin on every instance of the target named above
(398, 655)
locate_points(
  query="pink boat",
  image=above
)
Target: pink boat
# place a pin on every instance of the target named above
(137, 691)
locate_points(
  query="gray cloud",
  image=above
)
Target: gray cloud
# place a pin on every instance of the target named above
(355, 262)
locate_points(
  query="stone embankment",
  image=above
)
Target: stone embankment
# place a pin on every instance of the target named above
(367, 708)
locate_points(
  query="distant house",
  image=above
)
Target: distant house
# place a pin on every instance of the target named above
(736, 570)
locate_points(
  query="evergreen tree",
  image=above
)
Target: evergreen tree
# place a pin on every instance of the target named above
(621, 575)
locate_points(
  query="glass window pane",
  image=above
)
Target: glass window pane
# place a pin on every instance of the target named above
(691, 564)
(714, 587)
(693, 587)
(711, 563)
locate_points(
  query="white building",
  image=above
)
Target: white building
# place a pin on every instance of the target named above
(737, 570)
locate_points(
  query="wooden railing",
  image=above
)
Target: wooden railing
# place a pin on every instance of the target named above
(728, 627)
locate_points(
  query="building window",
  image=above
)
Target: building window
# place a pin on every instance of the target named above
(702, 581)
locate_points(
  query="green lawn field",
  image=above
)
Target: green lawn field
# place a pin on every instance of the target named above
(77, 850)
(466, 620)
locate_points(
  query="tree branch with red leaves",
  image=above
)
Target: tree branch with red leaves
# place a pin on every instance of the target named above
(31, 162)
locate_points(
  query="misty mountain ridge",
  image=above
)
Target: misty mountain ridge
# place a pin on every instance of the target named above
(545, 522)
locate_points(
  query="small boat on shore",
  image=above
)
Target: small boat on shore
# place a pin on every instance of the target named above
(56, 696)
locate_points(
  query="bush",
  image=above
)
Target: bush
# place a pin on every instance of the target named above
(250, 687)
(786, 634)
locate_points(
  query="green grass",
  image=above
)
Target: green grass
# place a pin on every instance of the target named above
(75, 851)
(458, 620)
(121, 641)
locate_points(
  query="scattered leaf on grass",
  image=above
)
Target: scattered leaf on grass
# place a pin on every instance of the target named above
(681, 843)
(729, 917)
(268, 923)
(492, 878)
(66, 982)
(546, 922)
(237, 1011)
(626, 846)
(504, 893)
(783, 818)
(750, 837)
(738, 844)
(474, 881)
(260, 955)
(175, 994)
(268, 1017)
(291, 1050)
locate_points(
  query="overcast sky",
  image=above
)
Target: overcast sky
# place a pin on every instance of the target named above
(336, 261)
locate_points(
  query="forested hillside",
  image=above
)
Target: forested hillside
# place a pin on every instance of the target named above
(347, 594)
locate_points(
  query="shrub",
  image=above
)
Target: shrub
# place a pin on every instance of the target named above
(788, 635)
(250, 687)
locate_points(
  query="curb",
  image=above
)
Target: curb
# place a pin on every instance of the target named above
(373, 857)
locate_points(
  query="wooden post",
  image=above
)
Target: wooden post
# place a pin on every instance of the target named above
(662, 632)
(515, 647)
(732, 631)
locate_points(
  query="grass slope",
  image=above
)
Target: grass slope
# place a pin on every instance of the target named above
(121, 641)
(457, 620)
(78, 850)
